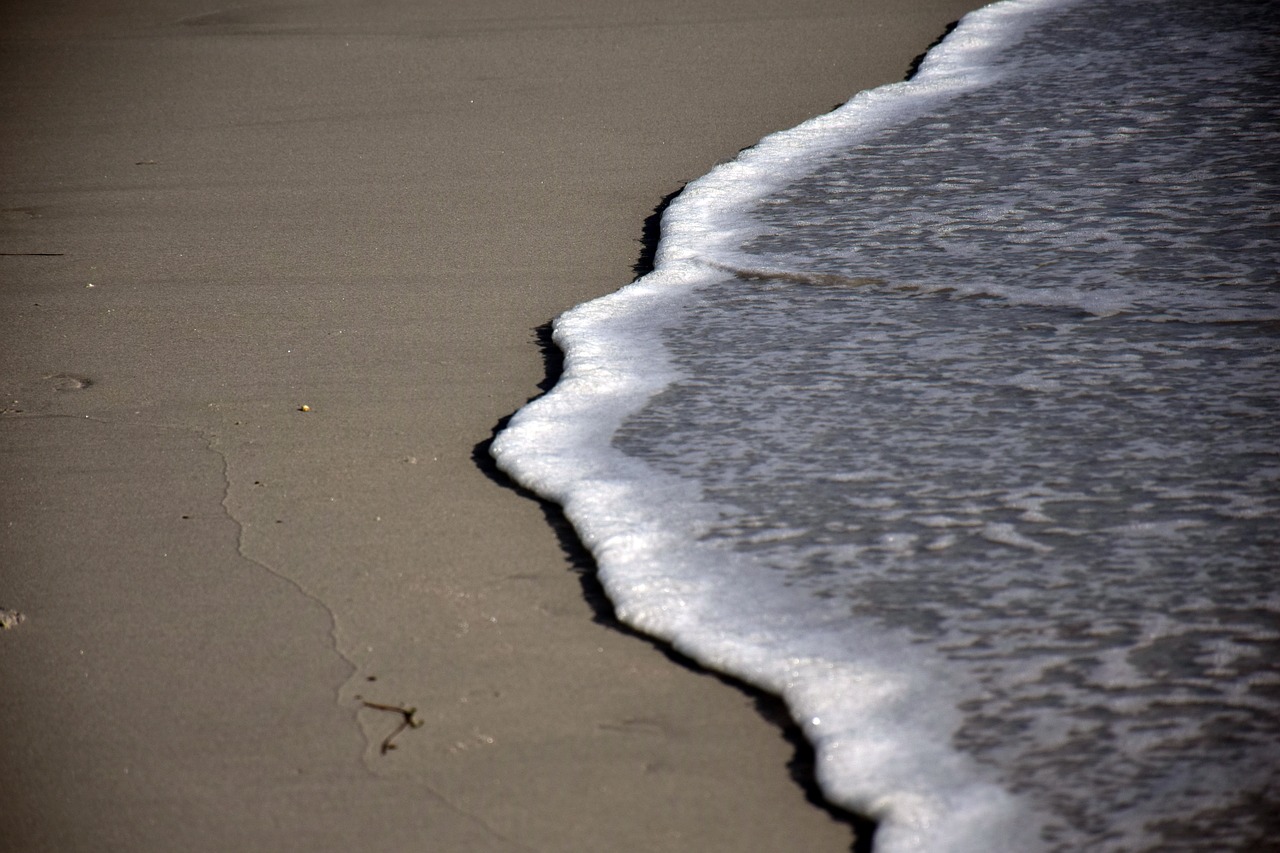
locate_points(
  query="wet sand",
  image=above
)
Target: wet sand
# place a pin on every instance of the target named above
(213, 217)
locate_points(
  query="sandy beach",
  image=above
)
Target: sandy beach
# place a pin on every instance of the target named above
(272, 275)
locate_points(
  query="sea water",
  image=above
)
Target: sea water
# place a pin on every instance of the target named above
(953, 417)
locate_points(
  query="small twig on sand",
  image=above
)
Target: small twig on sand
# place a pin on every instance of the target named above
(407, 721)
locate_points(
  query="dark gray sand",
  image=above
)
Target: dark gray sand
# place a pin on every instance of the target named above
(213, 216)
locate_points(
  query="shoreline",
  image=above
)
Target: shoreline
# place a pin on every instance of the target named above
(771, 708)
(213, 217)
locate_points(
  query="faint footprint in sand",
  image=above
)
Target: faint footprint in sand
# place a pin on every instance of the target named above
(68, 381)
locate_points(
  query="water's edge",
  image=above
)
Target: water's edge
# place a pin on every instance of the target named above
(769, 705)
(559, 447)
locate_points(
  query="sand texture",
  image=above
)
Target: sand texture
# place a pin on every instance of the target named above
(214, 215)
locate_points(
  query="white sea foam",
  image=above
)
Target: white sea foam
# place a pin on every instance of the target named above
(973, 460)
